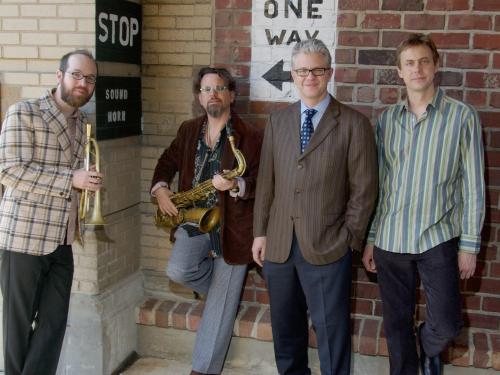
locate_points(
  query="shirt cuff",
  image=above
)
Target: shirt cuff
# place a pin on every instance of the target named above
(157, 186)
(469, 243)
(241, 188)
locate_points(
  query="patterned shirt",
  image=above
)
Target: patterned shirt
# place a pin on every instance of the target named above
(431, 177)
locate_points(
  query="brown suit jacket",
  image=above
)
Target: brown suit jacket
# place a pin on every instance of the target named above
(36, 167)
(236, 213)
(326, 195)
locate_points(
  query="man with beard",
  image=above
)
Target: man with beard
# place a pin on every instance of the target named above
(41, 156)
(213, 264)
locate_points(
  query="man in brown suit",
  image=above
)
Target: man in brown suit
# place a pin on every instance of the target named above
(313, 203)
(213, 264)
(41, 160)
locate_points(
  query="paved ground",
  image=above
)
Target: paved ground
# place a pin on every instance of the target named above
(362, 365)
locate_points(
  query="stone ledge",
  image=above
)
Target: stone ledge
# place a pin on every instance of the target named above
(474, 347)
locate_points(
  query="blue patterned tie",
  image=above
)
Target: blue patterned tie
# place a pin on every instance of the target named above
(307, 129)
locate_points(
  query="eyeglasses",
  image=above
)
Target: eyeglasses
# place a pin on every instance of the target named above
(303, 72)
(79, 76)
(216, 89)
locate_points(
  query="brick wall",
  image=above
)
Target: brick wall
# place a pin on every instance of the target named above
(467, 34)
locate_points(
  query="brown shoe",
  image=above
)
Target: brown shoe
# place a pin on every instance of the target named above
(195, 373)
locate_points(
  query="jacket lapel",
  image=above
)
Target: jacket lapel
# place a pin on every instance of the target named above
(58, 124)
(326, 125)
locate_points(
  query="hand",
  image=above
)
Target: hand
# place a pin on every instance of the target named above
(259, 249)
(466, 264)
(87, 180)
(368, 260)
(165, 204)
(222, 184)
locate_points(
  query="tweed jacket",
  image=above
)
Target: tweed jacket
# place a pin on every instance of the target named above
(326, 195)
(36, 169)
(236, 213)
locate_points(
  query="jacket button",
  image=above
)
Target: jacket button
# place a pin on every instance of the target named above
(297, 191)
(68, 199)
(300, 166)
(61, 193)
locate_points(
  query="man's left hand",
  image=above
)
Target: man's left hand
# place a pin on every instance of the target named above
(222, 184)
(466, 264)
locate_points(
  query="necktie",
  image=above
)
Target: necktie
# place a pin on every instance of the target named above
(307, 129)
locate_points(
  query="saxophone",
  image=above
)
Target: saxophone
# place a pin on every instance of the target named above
(185, 201)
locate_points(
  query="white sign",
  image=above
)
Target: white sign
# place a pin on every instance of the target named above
(276, 26)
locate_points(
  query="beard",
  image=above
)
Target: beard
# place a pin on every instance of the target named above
(216, 109)
(75, 101)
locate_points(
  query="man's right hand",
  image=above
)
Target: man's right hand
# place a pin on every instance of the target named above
(259, 249)
(165, 204)
(368, 260)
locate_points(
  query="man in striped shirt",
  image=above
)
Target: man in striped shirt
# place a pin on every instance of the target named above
(430, 210)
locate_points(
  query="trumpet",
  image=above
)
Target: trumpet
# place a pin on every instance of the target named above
(95, 217)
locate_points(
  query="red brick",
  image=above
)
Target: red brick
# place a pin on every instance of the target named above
(476, 98)
(482, 80)
(241, 105)
(146, 311)
(378, 308)
(467, 60)
(447, 5)
(400, 5)
(492, 158)
(179, 315)
(358, 38)
(489, 119)
(424, 21)
(347, 20)
(344, 93)
(469, 22)
(243, 19)
(353, 75)
(454, 93)
(262, 296)
(496, 61)
(481, 321)
(381, 21)
(360, 274)
(448, 78)
(358, 5)
(345, 56)
(364, 109)
(162, 313)
(491, 304)
(313, 340)
(194, 316)
(486, 41)
(238, 71)
(393, 38)
(264, 331)
(266, 107)
(471, 302)
(450, 40)
(247, 321)
(223, 18)
(242, 4)
(495, 345)
(492, 195)
(369, 337)
(481, 355)
(389, 95)
(492, 177)
(222, 54)
(366, 290)
(495, 102)
(232, 36)
(222, 4)
(361, 306)
(495, 270)
(497, 23)
(248, 295)
(487, 5)
(366, 94)
(242, 54)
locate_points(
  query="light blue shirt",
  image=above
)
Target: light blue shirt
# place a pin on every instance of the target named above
(320, 107)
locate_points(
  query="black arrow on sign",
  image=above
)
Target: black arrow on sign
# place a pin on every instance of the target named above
(276, 75)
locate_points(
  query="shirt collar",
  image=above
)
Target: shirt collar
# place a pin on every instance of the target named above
(320, 107)
(436, 102)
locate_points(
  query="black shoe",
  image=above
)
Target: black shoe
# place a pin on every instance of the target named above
(428, 365)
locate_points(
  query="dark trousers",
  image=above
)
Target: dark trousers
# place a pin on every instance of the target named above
(36, 292)
(296, 286)
(397, 278)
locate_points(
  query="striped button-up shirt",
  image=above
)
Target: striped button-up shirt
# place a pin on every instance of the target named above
(431, 177)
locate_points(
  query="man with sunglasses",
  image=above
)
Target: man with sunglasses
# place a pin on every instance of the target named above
(316, 189)
(41, 159)
(213, 264)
